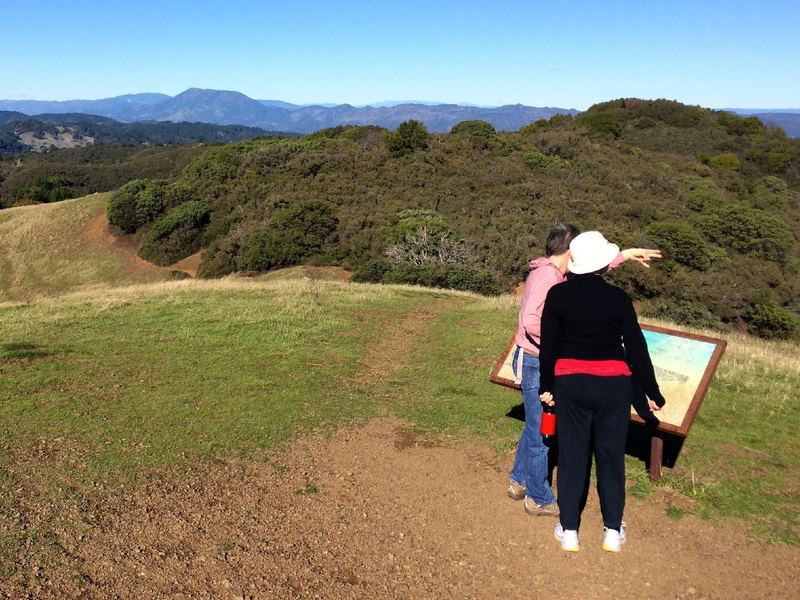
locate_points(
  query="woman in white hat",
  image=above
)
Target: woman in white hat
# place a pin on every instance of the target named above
(586, 373)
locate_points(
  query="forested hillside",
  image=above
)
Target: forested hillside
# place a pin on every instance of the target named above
(20, 133)
(717, 192)
(71, 173)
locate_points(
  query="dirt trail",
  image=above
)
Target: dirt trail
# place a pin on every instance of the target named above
(98, 232)
(394, 351)
(374, 512)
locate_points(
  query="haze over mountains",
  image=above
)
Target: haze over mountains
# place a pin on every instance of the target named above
(234, 108)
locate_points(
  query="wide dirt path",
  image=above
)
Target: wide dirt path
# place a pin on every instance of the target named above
(375, 512)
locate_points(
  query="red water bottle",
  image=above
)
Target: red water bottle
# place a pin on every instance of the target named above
(548, 428)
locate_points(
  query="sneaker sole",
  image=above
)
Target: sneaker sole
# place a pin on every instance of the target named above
(542, 513)
(612, 549)
(575, 549)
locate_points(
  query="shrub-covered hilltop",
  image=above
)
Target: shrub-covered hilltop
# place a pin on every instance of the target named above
(468, 209)
(64, 173)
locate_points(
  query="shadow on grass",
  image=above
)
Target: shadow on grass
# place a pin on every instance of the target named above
(637, 445)
(18, 350)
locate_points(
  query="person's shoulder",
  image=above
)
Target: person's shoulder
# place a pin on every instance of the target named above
(617, 292)
(545, 272)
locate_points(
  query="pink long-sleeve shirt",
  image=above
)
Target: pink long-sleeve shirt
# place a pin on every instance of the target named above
(544, 275)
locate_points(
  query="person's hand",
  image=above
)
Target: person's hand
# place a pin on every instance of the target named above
(547, 398)
(641, 255)
(653, 406)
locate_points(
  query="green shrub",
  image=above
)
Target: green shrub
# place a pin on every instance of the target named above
(771, 321)
(372, 271)
(462, 277)
(750, 231)
(411, 221)
(149, 203)
(49, 189)
(136, 204)
(532, 127)
(683, 312)
(602, 124)
(410, 136)
(770, 193)
(539, 160)
(726, 161)
(177, 234)
(681, 243)
(453, 276)
(479, 132)
(290, 237)
(122, 206)
(706, 199)
(474, 128)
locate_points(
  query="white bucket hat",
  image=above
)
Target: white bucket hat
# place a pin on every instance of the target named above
(590, 252)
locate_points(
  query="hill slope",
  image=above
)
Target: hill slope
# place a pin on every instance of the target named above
(53, 248)
(720, 194)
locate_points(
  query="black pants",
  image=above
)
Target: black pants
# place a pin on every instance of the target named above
(589, 408)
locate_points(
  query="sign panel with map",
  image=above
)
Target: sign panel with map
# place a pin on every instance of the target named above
(684, 365)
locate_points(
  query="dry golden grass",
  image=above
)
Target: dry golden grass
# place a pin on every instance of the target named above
(48, 249)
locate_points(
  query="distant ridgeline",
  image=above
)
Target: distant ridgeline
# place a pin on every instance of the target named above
(719, 193)
(21, 133)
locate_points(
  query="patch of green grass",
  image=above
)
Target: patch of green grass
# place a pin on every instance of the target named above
(675, 513)
(447, 389)
(104, 389)
(309, 488)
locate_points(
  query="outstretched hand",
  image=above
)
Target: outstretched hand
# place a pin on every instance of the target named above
(642, 255)
(547, 398)
(653, 406)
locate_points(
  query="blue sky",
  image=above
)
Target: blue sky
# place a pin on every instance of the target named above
(567, 54)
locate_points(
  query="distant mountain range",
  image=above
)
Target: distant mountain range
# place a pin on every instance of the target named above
(787, 119)
(234, 108)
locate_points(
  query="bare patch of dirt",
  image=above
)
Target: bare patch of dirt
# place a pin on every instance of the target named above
(372, 513)
(189, 264)
(98, 232)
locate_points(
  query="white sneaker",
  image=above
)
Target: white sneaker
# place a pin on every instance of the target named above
(567, 537)
(613, 540)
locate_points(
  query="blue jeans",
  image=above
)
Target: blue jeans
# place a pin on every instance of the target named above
(530, 465)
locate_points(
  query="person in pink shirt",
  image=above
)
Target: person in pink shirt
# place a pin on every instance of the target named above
(529, 476)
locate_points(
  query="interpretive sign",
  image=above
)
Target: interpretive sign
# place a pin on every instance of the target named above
(684, 365)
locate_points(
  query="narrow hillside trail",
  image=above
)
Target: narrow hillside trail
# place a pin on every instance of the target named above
(98, 232)
(394, 351)
(375, 512)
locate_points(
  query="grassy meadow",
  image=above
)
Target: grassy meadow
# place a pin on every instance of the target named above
(99, 387)
(108, 384)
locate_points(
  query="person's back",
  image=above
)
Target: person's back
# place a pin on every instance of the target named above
(590, 313)
(585, 374)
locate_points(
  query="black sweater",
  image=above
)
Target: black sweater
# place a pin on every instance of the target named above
(588, 318)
